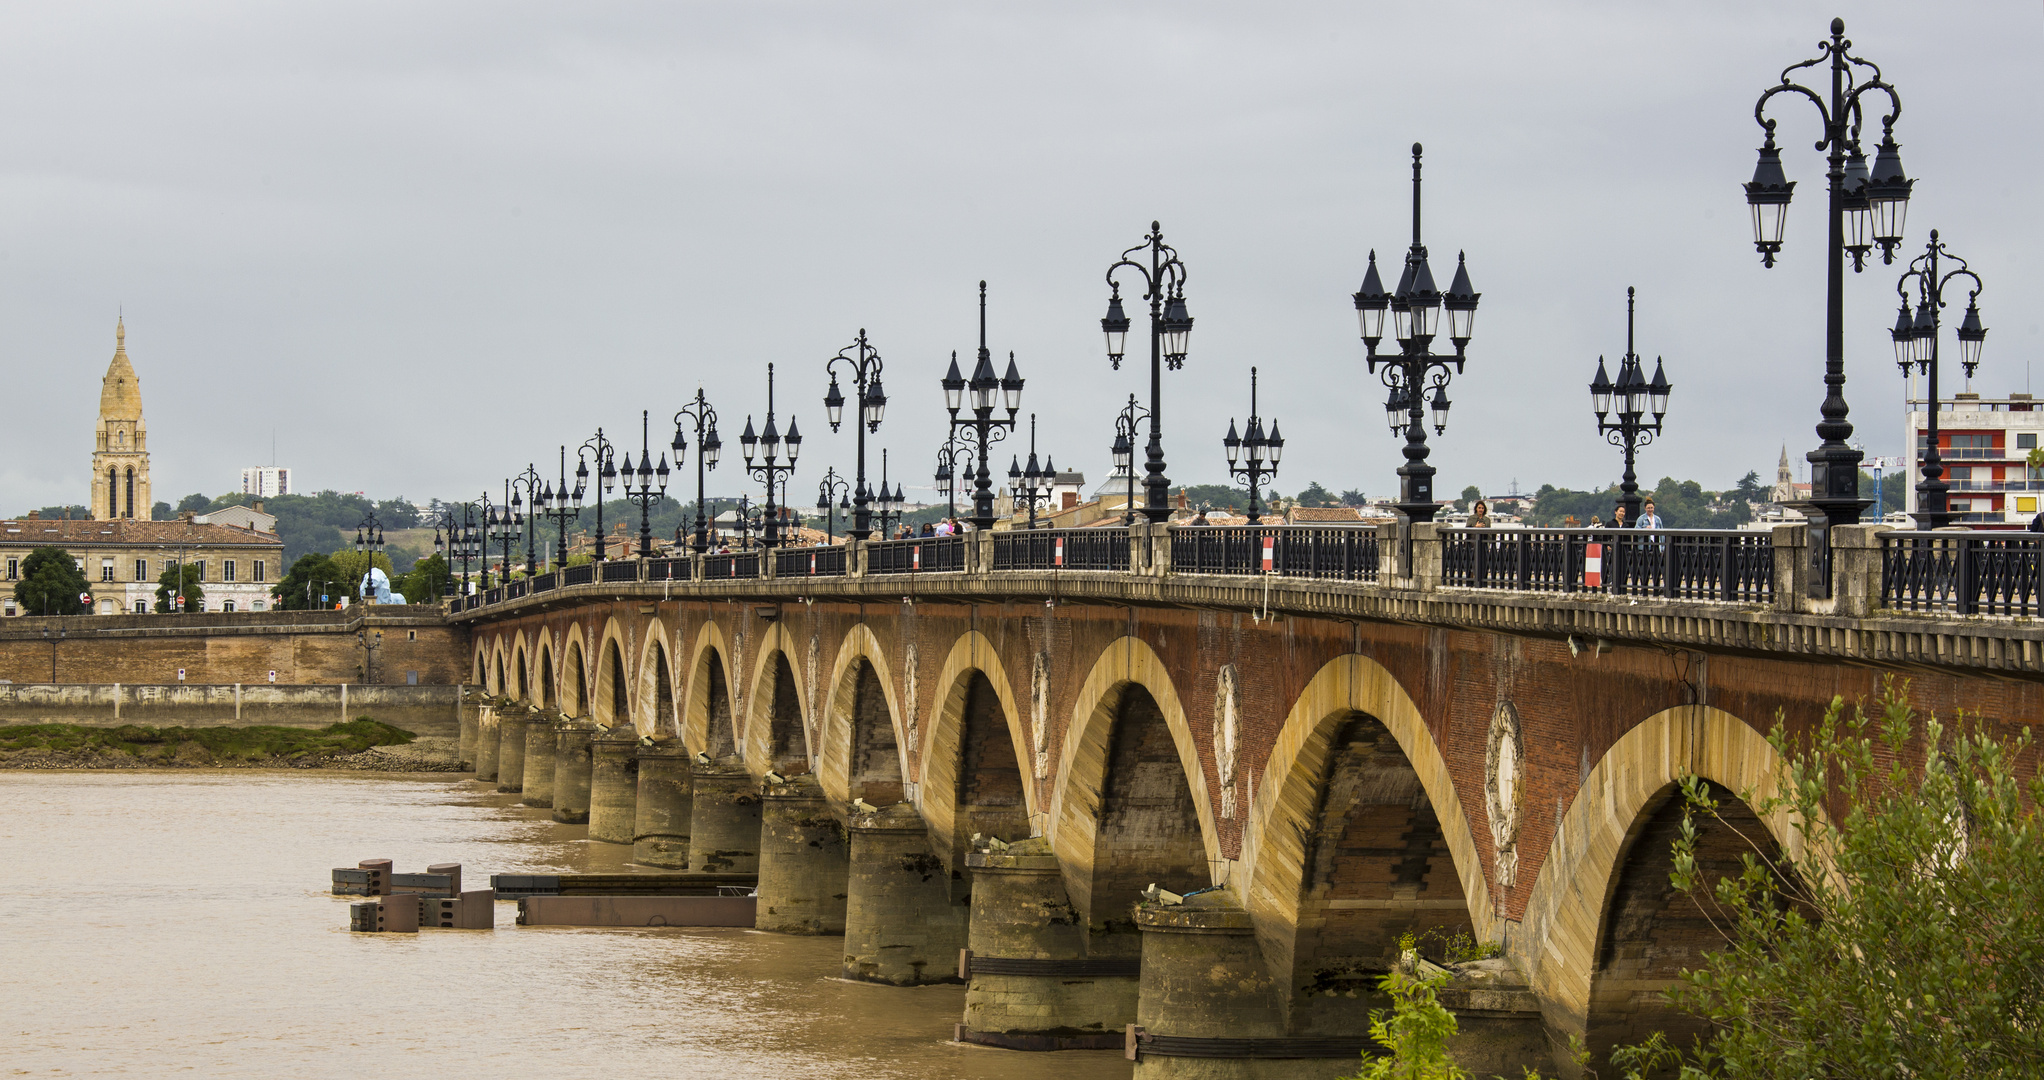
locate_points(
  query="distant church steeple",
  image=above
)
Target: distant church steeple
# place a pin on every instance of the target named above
(120, 451)
(1784, 480)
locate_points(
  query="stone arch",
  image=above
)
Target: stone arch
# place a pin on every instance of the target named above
(498, 685)
(1120, 810)
(574, 674)
(549, 696)
(611, 698)
(708, 726)
(1558, 942)
(482, 665)
(774, 735)
(1354, 764)
(860, 701)
(958, 755)
(521, 677)
(656, 698)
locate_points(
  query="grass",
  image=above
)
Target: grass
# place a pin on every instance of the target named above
(226, 743)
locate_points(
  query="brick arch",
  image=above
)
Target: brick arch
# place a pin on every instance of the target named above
(656, 661)
(497, 666)
(941, 753)
(1291, 797)
(837, 729)
(1564, 923)
(1081, 790)
(776, 648)
(481, 667)
(605, 690)
(709, 663)
(520, 675)
(543, 664)
(574, 673)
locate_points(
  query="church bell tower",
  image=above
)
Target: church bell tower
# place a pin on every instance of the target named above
(120, 451)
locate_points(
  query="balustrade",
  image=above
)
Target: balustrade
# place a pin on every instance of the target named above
(1062, 549)
(1964, 573)
(806, 561)
(1333, 552)
(1675, 564)
(922, 554)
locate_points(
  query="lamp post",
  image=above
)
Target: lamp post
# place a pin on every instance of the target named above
(953, 460)
(1264, 452)
(560, 508)
(1124, 453)
(1861, 203)
(524, 489)
(460, 539)
(887, 503)
(985, 428)
(1635, 395)
(1416, 377)
(368, 540)
(863, 363)
(832, 485)
(1029, 482)
(1170, 326)
(1916, 342)
(762, 461)
(708, 449)
(605, 455)
(510, 523)
(647, 486)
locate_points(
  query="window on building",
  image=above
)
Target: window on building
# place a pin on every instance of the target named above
(227, 569)
(1972, 442)
(106, 569)
(255, 605)
(227, 605)
(2026, 440)
(8, 607)
(141, 607)
(141, 569)
(255, 569)
(199, 569)
(14, 569)
(1958, 472)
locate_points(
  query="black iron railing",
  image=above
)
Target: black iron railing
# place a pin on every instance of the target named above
(620, 570)
(1675, 564)
(733, 565)
(579, 575)
(516, 589)
(494, 596)
(546, 581)
(1061, 549)
(808, 561)
(922, 554)
(1981, 573)
(471, 602)
(1328, 551)
(668, 570)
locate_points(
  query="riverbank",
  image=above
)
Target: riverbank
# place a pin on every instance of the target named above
(362, 745)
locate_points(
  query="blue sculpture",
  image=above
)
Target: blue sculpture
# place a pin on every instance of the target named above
(376, 586)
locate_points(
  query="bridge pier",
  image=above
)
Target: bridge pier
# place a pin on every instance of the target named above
(725, 833)
(511, 728)
(1209, 1008)
(540, 735)
(486, 743)
(572, 761)
(905, 918)
(465, 752)
(804, 860)
(665, 807)
(1029, 982)
(613, 785)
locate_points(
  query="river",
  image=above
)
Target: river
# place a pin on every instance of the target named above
(162, 922)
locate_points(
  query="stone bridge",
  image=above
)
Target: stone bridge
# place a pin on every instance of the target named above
(1340, 745)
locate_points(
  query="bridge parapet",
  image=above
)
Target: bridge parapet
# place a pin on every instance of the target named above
(1955, 598)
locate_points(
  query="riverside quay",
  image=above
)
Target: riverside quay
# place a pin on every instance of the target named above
(1182, 790)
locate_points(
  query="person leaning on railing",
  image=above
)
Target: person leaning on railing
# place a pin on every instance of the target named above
(1648, 519)
(1479, 516)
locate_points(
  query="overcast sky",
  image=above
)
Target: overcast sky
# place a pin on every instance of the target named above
(425, 244)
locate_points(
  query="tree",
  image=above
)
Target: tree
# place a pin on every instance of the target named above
(1352, 497)
(1903, 937)
(1414, 1032)
(1315, 495)
(1216, 496)
(50, 584)
(175, 579)
(74, 512)
(162, 512)
(1751, 489)
(308, 579)
(425, 582)
(194, 503)
(1469, 496)
(349, 566)
(398, 513)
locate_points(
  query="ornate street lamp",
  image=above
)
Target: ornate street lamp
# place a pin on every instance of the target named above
(1634, 395)
(1861, 203)
(886, 504)
(647, 485)
(985, 428)
(525, 487)
(708, 449)
(1263, 452)
(863, 361)
(368, 540)
(449, 543)
(1416, 377)
(605, 456)
(485, 534)
(1916, 343)
(560, 507)
(1030, 483)
(510, 523)
(763, 461)
(832, 485)
(1124, 453)
(954, 459)
(1170, 325)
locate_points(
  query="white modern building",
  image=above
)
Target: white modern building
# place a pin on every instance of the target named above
(1985, 445)
(264, 481)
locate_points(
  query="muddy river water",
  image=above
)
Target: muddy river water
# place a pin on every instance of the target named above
(178, 922)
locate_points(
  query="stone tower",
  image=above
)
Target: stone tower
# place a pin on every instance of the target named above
(1784, 480)
(120, 443)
